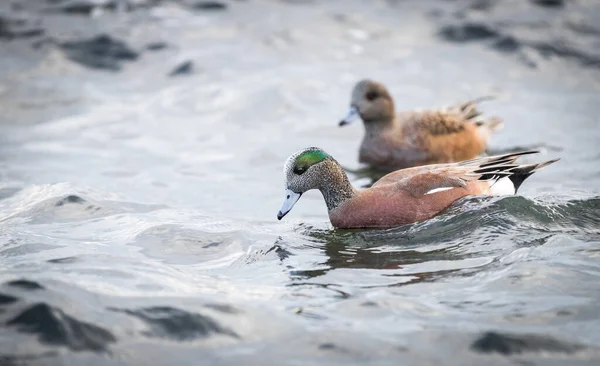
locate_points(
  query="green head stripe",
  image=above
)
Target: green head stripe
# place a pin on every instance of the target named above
(309, 158)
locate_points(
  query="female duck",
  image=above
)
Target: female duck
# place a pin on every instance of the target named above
(401, 197)
(416, 138)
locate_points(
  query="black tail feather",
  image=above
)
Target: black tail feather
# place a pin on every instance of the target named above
(493, 168)
(523, 172)
(520, 174)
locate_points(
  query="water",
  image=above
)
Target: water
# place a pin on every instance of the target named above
(138, 210)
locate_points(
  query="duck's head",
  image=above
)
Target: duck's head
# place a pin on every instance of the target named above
(313, 168)
(370, 101)
(303, 171)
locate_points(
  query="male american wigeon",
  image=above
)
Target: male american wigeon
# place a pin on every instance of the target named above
(401, 197)
(416, 138)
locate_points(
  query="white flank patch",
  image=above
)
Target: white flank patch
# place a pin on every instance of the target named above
(439, 190)
(502, 187)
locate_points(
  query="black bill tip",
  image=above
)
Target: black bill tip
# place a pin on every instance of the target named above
(280, 215)
(343, 123)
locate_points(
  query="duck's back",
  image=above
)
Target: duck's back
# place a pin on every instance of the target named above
(421, 138)
(447, 137)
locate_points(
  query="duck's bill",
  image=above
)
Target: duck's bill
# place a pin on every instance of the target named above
(289, 200)
(350, 117)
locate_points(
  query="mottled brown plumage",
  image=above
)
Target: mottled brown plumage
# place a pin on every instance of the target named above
(404, 196)
(415, 138)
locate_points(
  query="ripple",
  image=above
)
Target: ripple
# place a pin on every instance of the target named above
(25, 284)
(54, 327)
(513, 37)
(180, 325)
(50, 204)
(7, 192)
(511, 344)
(7, 299)
(177, 244)
(467, 32)
(100, 52)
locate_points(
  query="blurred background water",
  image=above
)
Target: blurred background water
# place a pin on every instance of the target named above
(141, 150)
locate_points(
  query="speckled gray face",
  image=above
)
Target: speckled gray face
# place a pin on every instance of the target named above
(300, 171)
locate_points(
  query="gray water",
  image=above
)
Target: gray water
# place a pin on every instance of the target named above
(138, 208)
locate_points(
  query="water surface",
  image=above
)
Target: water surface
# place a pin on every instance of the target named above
(138, 196)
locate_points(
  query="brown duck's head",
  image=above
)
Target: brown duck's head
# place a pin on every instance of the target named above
(370, 101)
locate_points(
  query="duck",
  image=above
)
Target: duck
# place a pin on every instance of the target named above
(413, 138)
(404, 196)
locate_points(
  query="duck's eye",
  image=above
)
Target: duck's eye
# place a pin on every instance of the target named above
(299, 170)
(371, 96)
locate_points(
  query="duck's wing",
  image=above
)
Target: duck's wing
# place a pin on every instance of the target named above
(432, 178)
(469, 113)
(432, 122)
(469, 109)
(454, 119)
(420, 180)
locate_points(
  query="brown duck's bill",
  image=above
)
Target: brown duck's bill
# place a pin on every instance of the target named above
(352, 116)
(289, 200)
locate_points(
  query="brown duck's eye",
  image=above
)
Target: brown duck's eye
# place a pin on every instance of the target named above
(372, 95)
(299, 170)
